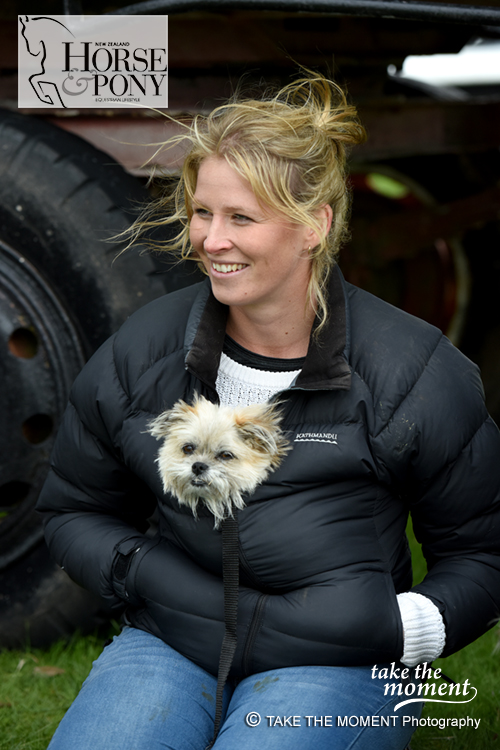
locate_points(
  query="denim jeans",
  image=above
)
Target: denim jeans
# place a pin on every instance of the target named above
(143, 695)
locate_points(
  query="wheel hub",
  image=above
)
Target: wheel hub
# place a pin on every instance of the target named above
(41, 354)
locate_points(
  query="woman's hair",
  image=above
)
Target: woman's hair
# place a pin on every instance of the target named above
(291, 147)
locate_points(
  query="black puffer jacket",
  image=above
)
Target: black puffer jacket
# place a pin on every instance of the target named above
(386, 416)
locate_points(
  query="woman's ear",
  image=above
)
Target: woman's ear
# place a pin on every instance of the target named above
(324, 214)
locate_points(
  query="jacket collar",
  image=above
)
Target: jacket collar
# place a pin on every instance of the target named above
(325, 367)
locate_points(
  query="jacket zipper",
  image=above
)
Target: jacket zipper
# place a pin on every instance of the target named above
(252, 632)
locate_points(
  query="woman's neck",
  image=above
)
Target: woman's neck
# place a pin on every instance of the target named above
(285, 337)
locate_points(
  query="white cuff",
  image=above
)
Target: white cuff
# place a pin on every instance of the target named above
(424, 632)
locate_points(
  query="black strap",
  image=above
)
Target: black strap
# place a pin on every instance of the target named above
(230, 574)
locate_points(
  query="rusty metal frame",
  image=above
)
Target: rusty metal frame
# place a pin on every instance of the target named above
(410, 10)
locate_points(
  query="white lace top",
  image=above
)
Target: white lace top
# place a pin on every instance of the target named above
(239, 385)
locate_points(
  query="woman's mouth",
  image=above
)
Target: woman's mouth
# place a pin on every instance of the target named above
(228, 267)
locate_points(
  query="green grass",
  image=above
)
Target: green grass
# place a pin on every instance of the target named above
(32, 702)
(480, 664)
(33, 699)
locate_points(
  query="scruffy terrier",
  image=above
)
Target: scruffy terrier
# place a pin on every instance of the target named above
(214, 454)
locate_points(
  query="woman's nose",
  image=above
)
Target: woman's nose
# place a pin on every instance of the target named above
(217, 237)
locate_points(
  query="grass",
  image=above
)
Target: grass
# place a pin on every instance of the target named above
(38, 686)
(480, 664)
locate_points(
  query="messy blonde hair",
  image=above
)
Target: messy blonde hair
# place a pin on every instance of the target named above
(291, 147)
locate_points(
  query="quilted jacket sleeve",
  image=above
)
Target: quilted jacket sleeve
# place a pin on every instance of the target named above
(93, 506)
(443, 450)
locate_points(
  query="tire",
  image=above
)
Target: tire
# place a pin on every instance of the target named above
(60, 297)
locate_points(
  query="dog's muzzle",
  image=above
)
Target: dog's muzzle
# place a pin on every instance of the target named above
(198, 469)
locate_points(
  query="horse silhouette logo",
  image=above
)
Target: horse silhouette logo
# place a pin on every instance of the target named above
(36, 34)
(95, 61)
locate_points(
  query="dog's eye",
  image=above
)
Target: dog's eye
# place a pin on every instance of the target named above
(225, 455)
(188, 449)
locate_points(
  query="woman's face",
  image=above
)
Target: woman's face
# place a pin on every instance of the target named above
(254, 257)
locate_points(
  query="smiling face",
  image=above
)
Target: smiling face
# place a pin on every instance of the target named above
(254, 258)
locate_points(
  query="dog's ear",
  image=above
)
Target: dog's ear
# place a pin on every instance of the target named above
(161, 426)
(262, 432)
(258, 436)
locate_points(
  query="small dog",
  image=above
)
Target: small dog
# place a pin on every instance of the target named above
(216, 453)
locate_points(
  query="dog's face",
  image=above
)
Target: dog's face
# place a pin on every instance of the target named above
(217, 453)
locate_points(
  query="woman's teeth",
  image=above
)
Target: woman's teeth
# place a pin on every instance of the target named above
(225, 268)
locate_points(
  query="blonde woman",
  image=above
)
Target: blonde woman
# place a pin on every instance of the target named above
(384, 415)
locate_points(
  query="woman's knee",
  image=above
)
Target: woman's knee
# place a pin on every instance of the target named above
(140, 694)
(313, 707)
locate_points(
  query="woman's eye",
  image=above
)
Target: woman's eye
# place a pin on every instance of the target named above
(241, 217)
(225, 455)
(188, 449)
(203, 212)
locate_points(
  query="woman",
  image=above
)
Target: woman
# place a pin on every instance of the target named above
(384, 416)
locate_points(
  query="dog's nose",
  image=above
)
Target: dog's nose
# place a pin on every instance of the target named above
(198, 468)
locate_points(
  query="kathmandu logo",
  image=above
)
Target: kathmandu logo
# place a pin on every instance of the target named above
(316, 437)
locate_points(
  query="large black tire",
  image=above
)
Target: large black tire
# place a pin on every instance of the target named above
(61, 295)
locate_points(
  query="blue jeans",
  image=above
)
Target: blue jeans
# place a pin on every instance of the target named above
(143, 695)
